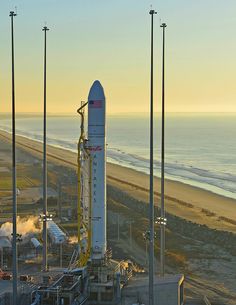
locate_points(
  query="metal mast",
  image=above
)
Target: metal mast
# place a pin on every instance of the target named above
(151, 198)
(14, 216)
(163, 220)
(45, 264)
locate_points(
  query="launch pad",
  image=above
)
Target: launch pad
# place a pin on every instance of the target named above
(107, 280)
(93, 277)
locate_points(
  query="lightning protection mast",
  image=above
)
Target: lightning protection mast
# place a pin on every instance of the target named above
(14, 194)
(45, 213)
(151, 198)
(162, 218)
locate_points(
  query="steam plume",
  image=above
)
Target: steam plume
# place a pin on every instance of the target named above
(25, 227)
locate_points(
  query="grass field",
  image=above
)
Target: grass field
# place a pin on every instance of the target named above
(22, 182)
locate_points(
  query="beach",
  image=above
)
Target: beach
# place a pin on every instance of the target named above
(192, 243)
(188, 202)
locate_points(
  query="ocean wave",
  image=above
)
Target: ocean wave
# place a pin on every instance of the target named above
(218, 182)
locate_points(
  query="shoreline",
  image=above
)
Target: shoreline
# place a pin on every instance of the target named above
(170, 180)
(188, 182)
(189, 202)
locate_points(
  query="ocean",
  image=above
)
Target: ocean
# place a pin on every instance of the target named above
(200, 148)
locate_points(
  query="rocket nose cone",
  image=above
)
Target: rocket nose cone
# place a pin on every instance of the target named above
(96, 92)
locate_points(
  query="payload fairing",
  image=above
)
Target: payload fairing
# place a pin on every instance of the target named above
(97, 149)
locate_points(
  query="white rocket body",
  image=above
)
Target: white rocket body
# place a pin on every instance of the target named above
(97, 148)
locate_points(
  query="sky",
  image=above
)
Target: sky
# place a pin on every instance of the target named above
(109, 40)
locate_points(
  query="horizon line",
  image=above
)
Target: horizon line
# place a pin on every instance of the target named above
(123, 113)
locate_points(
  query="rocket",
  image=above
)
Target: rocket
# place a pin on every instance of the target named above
(97, 149)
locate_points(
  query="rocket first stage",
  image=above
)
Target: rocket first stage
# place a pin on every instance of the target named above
(97, 148)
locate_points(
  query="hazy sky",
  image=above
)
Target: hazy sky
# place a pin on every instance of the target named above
(109, 40)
